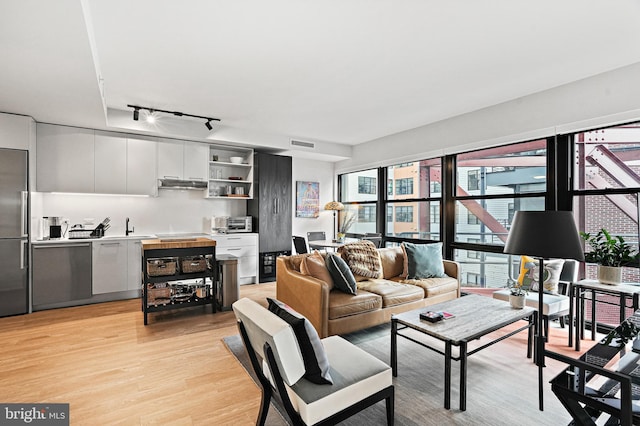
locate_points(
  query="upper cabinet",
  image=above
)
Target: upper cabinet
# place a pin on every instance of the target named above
(111, 163)
(182, 160)
(71, 159)
(141, 166)
(64, 159)
(15, 131)
(230, 172)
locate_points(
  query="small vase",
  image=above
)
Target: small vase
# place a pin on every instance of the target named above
(609, 274)
(517, 302)
(340, 237)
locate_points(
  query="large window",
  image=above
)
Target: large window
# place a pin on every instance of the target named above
(607, 184)
(358, 193)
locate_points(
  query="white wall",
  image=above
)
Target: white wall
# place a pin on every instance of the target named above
(598, 101)
(314, 171)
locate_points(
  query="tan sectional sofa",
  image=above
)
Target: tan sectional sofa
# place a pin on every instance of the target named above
(334, 312)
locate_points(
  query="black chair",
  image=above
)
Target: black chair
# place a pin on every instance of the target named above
(374, 237)
(315, 236)
(300, 245)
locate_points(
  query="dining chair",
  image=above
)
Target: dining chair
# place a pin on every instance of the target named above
(300, 244)
(315, 236)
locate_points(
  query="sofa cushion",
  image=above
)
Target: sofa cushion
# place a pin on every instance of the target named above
(344, 305)
(392, 293)
(342, 276)
(424, 260)
(315, 359)
(315, 266)
(392, 261)
(435, 286)
(363, 258)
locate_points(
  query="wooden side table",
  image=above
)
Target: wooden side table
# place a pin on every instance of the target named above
(577, 293)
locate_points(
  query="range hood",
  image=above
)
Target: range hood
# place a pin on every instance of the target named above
(181, 184)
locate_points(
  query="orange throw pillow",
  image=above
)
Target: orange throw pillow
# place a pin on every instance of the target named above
(314, 266)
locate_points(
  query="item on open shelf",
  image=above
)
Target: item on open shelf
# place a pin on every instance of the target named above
(161, 267)
(236, 160)
(181, 292)
(158, 294)
(235, 177)
(193, 264)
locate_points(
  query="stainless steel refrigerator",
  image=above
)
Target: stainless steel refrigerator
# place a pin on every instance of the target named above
(14, 232)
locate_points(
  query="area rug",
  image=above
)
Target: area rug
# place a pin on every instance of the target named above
(502, 386)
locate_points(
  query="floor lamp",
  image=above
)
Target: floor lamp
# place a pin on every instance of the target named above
(543, 235)
(335, 206)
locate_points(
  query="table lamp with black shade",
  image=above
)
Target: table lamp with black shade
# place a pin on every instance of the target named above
(543, 235)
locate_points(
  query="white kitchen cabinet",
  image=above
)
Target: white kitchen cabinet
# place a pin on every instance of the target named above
(109, 264)
(141, 166)
(245, 248)
(15, 131)
(182, 160)
(134, 265)
(196, 161)
(65, 159)
(110, 163)
(170, 159)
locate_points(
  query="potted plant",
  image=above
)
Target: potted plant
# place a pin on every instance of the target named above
(347, 219)
(610, 253)
(517, 295)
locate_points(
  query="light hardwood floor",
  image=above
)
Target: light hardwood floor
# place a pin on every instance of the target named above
(112, 369)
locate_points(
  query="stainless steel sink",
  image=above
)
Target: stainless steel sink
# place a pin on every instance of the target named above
(129, 237)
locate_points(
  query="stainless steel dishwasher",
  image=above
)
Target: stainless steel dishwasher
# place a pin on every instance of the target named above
(61, 273)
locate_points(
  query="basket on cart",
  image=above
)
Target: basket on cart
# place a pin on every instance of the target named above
(161, 267)
(158, 294)
(193, 264)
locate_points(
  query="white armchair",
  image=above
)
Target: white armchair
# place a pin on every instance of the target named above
(359, 379)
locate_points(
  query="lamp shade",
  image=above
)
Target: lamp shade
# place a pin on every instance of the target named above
(544, 234)
(334, 205)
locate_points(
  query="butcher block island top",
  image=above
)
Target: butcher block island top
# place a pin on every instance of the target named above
(175, 243)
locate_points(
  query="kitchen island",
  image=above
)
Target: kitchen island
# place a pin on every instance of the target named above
(175, 272)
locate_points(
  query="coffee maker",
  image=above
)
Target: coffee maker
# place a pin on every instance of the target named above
(52, 228)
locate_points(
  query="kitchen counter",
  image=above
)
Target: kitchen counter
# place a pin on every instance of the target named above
(177, 242)
(88, 240)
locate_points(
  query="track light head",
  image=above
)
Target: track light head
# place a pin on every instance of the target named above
(208, 124)
(136, 114)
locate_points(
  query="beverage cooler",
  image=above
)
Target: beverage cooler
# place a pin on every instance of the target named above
(267, 263)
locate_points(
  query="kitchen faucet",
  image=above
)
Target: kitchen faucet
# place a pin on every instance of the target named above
(127, 230)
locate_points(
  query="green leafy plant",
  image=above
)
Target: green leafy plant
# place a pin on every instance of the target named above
(518, 290)
(607, 250)
(623, 333)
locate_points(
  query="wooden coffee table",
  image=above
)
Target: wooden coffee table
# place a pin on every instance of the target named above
(475, 316)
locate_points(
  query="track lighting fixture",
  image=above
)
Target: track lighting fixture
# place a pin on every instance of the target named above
(151, 116)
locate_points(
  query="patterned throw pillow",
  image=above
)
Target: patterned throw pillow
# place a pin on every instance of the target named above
(316, 363)
(530, 271)
(363, 258)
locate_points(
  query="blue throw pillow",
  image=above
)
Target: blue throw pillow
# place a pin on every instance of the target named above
(316, 363)
(342, 276)
(424, 260)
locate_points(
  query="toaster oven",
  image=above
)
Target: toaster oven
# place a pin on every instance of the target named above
(231, 224)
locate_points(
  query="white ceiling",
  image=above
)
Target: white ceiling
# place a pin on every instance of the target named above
(339, 71)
